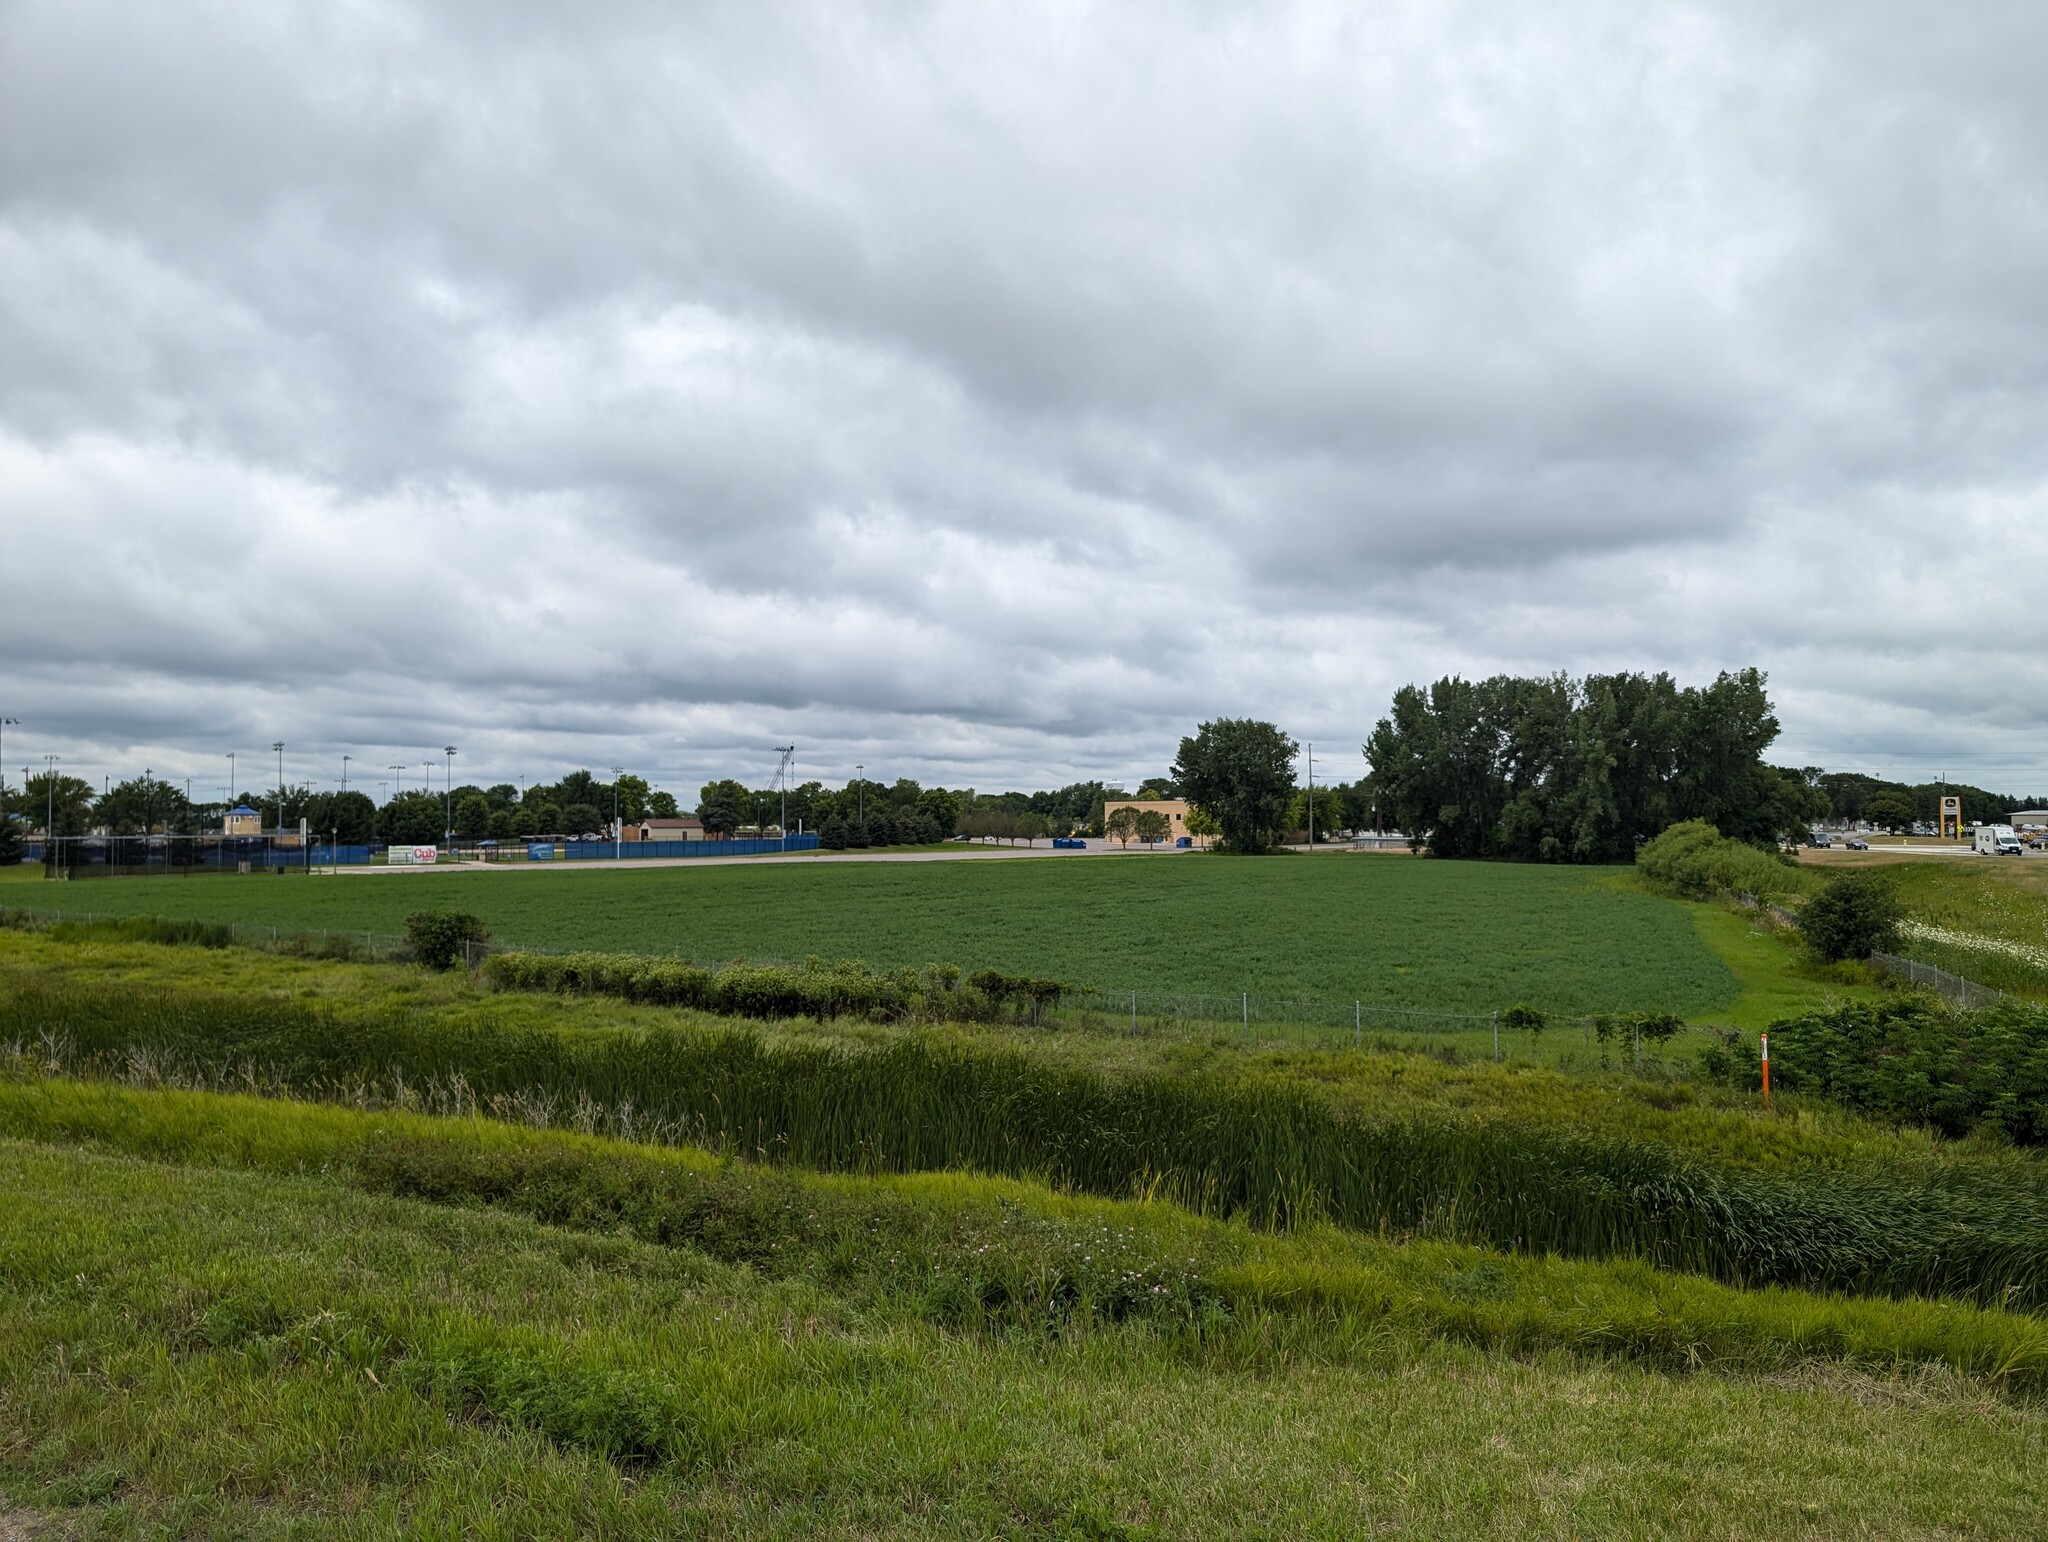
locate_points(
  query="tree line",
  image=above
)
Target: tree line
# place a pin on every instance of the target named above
(1563, 770)
(1550, 769)
(577, 804)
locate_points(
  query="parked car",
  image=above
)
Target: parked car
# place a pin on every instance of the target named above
(1854, 844)
(1069, 843)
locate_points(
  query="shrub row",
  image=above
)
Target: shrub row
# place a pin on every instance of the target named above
(1906, 1058)
(849, 988)
(1695, 861)
(1275, 1155)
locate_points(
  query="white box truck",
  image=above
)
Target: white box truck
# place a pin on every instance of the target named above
(1997, 841)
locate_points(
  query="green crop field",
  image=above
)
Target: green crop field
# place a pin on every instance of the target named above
(1447, 936)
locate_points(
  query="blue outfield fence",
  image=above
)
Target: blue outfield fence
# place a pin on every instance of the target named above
(627, 851)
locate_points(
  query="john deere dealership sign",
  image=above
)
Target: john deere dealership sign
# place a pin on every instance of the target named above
(413, 856)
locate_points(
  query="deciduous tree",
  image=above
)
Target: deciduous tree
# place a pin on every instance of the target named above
(1121, 825)
(1242, 771)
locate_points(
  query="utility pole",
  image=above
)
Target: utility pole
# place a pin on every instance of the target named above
(448, 798)
(788, 754)
(50, 805)
(231, 778)
(279, 747)
(860, 789)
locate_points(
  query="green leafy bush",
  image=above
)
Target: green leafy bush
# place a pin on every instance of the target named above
(441, 939)
(1855, 914)
(1908, 1059)
(1695, 861)
(1524, 1018)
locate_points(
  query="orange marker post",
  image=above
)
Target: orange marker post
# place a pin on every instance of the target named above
(1766, 1038)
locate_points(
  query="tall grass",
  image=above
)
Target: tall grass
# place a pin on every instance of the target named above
(1274, 1154)
(981, 1254)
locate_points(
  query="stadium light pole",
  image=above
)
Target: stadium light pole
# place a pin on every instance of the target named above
(788, 754)
(279, 747)
(344, 771)
(397, 780)
(860, 790)
(50, 802)
(231, 776)
(148, 805)
(448, 797)
(1311, 798)
(618, 835)
(4, 722)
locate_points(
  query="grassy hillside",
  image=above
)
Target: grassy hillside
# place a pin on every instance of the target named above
(237, 1348)
(1445, 936)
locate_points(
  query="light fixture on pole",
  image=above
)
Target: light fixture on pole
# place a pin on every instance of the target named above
(397, 779)
(279, 747)
(231, 776)
(344, 771)
(788, 754)
(448, 795)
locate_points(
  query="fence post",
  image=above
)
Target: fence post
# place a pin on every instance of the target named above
(1357, 1024)
(1247, 1017)
(1639, 1045)
(1496, 1038)
(1134, 1014)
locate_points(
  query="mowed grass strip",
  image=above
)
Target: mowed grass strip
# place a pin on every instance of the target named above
(251, 1355)
(1456, 937)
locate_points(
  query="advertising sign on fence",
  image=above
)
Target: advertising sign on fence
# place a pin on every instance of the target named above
(413, 856)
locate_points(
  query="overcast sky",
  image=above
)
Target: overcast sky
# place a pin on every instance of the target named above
(990, 393)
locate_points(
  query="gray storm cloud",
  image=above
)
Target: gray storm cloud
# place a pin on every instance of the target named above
(988, 393)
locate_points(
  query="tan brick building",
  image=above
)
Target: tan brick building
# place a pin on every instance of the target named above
(1176, 812)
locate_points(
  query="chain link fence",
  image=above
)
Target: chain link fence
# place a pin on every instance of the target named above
(1952, 988)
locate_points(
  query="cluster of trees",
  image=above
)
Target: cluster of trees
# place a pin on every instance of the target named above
(578, 804)
(867, 813)
(1562, 770)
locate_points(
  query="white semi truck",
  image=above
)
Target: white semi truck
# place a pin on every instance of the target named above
(1997, 841)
